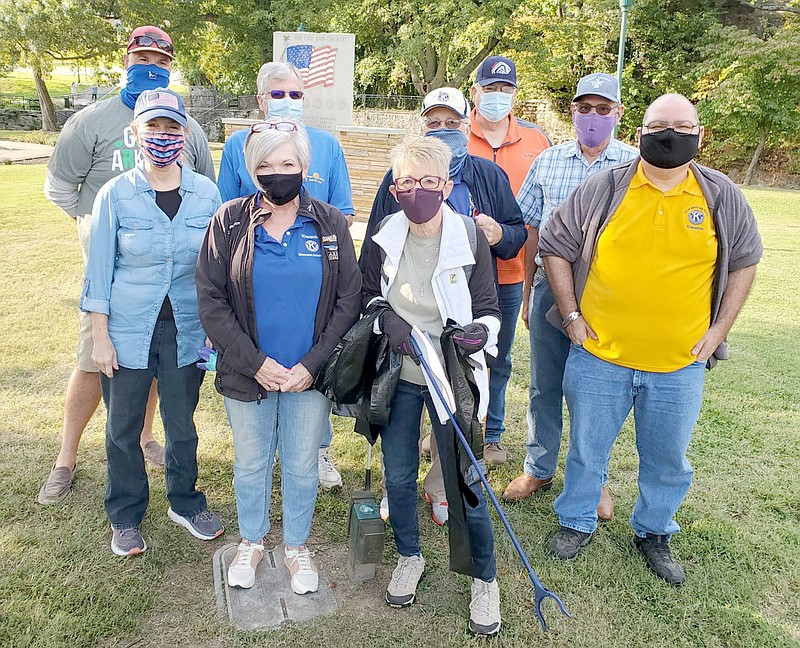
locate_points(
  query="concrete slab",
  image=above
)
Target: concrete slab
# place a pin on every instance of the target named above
(271, 601)
(23, 151)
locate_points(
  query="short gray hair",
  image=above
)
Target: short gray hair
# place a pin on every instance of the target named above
(259, 146)
(278, 70)
(415, 151)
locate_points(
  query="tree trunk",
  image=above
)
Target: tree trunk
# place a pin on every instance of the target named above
(49, 122)
(748, 177)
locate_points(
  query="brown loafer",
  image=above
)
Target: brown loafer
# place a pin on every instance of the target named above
(525, 486)
(57, 485)
(153, 453)
(605, 509)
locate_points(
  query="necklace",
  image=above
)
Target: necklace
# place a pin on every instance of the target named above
(423, 262)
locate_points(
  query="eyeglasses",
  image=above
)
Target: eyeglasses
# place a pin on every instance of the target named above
(148, 41)
(505, 88)
(280, 94)
(407, 183)
(263, 127)
(601, 109)
(451, 123)
(682, 127)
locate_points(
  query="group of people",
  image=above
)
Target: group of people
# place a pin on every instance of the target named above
(629, 265)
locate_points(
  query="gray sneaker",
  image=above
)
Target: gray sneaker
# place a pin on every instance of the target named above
(205, 525)
(402, 588)
(57, 485)
(567, 543)
(127, 542)
(484, 609)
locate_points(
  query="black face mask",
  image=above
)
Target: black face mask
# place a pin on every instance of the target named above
(281, 188)
(668, 149)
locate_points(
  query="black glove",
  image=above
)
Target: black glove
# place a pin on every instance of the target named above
(472, 337)
(398, 332)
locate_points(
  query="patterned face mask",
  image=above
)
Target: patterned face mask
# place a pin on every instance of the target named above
(161, 149)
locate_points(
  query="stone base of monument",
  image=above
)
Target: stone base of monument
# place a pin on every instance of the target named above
(271, 601)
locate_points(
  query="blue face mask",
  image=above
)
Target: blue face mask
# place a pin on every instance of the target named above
(457, 143)
(141, 78)
(495, 106)
(286, 107)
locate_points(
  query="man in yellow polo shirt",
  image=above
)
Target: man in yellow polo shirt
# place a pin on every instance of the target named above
(650, 263)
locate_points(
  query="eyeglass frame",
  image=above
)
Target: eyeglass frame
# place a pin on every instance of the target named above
(161, 44)
(686, 124)
(418, 183)
(457, 120)
(264, 126)
(611, 108)
(505, 88)
(280, 94)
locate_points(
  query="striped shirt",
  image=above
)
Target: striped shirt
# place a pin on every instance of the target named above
(557, 171)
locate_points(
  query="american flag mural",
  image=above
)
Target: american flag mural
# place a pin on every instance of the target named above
(315, 63)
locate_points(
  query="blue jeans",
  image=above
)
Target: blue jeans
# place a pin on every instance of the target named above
(549, 350)
(292, 423)
(327, 434)
(400, 444)
(509, 298)
(665, 409)
(125, 396)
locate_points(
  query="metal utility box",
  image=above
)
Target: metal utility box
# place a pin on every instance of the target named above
(367, 535)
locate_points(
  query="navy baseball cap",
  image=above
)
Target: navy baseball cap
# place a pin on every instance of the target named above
(600, 84)
(160, 103)
(497, 69)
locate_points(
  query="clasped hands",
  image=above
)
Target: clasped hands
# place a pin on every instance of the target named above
(273, 376)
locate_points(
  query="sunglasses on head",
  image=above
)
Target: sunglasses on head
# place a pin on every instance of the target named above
(280, 94)
(149, 41)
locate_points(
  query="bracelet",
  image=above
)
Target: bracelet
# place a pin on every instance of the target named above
(570, 318)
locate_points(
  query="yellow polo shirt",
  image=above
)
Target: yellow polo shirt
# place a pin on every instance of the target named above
(648, 293)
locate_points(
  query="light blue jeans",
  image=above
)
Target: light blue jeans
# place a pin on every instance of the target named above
(509, 299)
(293, 424)
(665, 409)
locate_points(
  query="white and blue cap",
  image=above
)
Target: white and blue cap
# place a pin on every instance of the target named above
(600, 84)
(451, 98)
(160, 103)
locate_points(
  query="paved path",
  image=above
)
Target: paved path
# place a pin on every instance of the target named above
(23, 152)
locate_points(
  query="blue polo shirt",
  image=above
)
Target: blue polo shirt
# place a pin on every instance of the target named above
(287, 281)
(328, 179)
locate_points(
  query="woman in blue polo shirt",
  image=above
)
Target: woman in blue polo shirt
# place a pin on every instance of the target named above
(147, 228)
(278, 286)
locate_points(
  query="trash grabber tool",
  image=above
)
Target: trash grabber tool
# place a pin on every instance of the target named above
(541, 592)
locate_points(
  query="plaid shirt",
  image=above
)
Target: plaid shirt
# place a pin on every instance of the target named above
(557, 171)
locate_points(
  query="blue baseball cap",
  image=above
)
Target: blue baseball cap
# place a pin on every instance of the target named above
(497, 69)
(160, 103)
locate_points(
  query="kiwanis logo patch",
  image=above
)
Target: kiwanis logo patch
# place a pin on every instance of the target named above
(696, 217)
(312, 246)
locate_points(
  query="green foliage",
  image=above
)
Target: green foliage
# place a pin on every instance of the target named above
(750, 88)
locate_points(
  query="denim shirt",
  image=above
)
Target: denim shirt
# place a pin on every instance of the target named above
(137, 257)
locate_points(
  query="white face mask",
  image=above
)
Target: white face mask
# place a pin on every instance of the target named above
(286, 107)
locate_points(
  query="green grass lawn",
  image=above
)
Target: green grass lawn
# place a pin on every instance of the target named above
(60, 585)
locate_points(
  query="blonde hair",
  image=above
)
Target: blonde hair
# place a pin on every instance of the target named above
(417, 151)
(259, 146)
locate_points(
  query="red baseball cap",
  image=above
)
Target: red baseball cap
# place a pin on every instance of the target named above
(150, 39)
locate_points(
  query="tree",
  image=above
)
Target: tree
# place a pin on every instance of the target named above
(750, 90)
(37, 33)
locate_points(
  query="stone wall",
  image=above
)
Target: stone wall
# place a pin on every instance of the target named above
(28, 120)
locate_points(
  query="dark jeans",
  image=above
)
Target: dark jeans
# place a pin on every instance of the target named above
(400, 447)
(125, 396)
(509, 299)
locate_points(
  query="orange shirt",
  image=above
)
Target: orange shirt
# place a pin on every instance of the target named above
(523, 142)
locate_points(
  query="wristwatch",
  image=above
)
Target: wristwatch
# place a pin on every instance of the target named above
(570, 318)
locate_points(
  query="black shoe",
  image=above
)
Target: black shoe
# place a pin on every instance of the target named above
(567, 543)
(655, 549)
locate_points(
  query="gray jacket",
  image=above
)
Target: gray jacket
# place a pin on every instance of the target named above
(575, 227)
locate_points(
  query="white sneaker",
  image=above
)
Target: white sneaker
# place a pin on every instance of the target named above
(305, 578)
(439, 510)
(402, 588)
(242, 571)
(384, 509)
(484, 610)
(329, 477)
